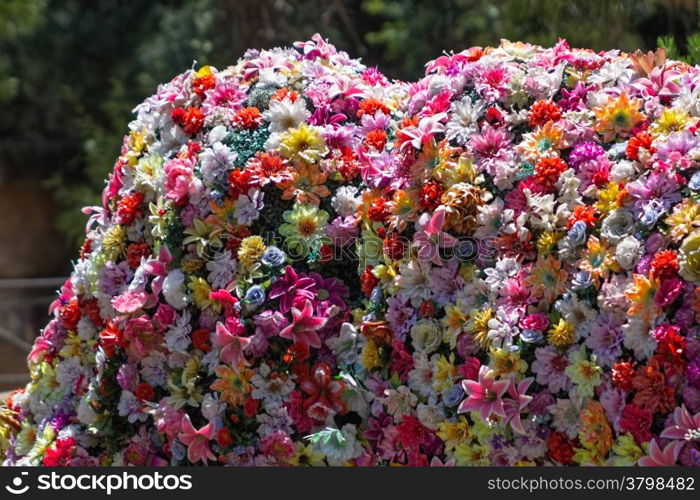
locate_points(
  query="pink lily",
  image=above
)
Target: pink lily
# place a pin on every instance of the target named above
(232, 345)
(197, 441)
(427, 128)
(303, 328)
(686, 426)
(430, 237)
(661, 458)
(519, 400)
(484, 396)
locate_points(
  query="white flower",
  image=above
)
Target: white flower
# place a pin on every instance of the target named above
(268, 77)
(426, 335)
(248, 207)
(268, 388)
(612, 73)
(622, 171)
(215, 162)
(412, 281)
(339, 445)
(628, 252)
(212, 407)
(345, 344)
(286, 114)
(617, 225)
(638, 337)
(221, 270)
(174, 289)
(177, 337)
(498, 276)
(464, 120)
(345, 200)
(420, 378)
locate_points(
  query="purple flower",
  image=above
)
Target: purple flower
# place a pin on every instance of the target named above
(290, 286)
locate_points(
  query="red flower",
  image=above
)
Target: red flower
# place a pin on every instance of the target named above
(430, 194)
(368, 281)
(223, 438)
(92, 309)
(664, 264)
(240, 182)
(371, 106)
(145, 392)
(201, 84)
(411, 433)
(201, 339)
(376, 139)
(191, 120)
(622, 374)
(543, 111)
(636, 421)
(69, 315)
(111, 338)
(285, 93)
(60, 454)
(584, 213)
(394, 246)
(128, 208)
(401, 360)
(251, 407)
(642, 140)
(561, 448)
(547, 172)
(323, 393)
(135, 251)
(248, 118)
(378, 211)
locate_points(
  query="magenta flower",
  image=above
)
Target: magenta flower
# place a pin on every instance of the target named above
(427, 128)
(330, 291)
(661, 458)
(232, 345)
(484, 395)
(303, 328)
(197, 441)
(686, 426)
(290, 286)
(517, 402)
(430, 238)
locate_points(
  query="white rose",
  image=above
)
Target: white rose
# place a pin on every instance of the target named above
(628, 252)
(426, 335)
(622, 171)
(617, 225)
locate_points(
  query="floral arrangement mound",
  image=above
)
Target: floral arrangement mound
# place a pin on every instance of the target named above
(297, 261)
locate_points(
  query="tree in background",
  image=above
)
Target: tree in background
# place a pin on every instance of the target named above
(72, 70)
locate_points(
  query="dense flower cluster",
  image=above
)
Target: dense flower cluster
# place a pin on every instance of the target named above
(298, 261)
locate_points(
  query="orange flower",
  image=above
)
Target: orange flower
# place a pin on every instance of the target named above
(653, 391)
(307, 184)
(547, 279)
(618, 117)
(595, 430)
(233, 385)
(641, 296)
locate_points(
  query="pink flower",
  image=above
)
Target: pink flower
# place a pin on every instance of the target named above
(303, 328)
(278, 445)
(130, 301)
(290, 286)
(661, 458)
(141, 337)
(197, 441)
(519, 400)
(484, 396)
(231, 343)
(686, 426)
(178, 178)
(427, 128)
(430, 238)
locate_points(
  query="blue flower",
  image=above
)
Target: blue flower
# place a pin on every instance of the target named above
(577, 233)
(273, 256)
(255, 295)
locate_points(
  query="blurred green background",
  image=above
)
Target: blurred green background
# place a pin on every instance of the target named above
(71, 71)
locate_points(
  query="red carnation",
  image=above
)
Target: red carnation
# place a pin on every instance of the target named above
(636, 421)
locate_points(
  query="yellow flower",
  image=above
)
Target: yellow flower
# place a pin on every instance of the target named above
(472, 454)
(454, 433)
(561, 334)
(200, 290)
(114, 243)
(689, 258)
(671, 120)
(303, 143)
(251, 250)
(617, 117)
(595, 432)
(304, 228)
(626, 452)
(505, 362)
(684, 219)
(547, 242)
(305, 455)
(370, 357)
(584, 372)
(444, 373)
(608, 198)
(479, 328)
(544, 142)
